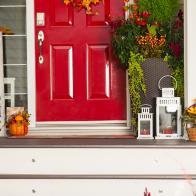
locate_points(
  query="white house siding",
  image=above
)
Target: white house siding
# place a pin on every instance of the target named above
(97, 171)
(89, 187)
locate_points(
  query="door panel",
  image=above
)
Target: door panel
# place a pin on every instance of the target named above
(60, 15)
(79, 79)
(98, 72)
(61, 72)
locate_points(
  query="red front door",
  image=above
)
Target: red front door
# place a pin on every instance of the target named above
(78, 80)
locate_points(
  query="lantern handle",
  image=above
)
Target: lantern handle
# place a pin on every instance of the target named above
(166, 76)
(148, 105)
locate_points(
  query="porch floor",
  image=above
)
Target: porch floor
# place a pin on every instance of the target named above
(92, 143)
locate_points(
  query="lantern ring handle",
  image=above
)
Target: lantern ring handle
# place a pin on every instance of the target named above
(148, 105)
(166, 76)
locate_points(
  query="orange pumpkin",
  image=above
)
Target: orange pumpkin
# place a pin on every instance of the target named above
(16, 129)
(18, 124)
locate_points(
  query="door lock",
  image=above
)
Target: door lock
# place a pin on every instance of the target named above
(40, 19)
(40, 44)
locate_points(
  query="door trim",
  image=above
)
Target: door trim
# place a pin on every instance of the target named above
(105, 122)
(71, 131)
(31, 73)
(31, 78)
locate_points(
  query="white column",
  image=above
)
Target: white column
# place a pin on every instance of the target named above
(31, 61)
(190, 51)
(2, 101)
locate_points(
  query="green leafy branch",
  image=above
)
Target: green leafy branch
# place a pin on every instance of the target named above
(161, 10)
(124, 41)
(136, 85)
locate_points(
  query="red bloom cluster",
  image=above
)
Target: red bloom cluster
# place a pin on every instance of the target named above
(136, 16)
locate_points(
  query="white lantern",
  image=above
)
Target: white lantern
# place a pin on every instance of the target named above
(168, 113)
(145, 123)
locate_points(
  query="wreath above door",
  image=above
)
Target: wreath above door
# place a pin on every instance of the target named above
(83, 4)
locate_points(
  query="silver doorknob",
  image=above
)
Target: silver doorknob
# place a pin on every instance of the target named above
(40, 44)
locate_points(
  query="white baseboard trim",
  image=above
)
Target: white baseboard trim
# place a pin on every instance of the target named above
(78, 130)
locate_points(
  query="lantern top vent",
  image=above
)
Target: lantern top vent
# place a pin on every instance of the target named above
(145, 108)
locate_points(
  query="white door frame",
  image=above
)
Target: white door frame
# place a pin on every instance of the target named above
(190, 57)
(31, 74)
(31, 85)
(2, 100)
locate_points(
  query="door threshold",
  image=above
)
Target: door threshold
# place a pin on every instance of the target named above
(111, 123)
(74, 137)
(79, 131)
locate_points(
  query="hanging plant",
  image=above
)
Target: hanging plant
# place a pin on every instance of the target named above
(83, 4)
(136, 85)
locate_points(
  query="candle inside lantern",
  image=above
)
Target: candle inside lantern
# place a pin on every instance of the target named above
(145, 132)
(168, 130)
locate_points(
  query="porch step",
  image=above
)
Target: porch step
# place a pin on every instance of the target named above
(78, 129)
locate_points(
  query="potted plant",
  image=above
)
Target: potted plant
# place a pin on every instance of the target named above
(153, 29)
(189, 119)
(17, 124)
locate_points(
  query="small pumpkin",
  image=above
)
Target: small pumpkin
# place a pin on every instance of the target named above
(18, 124)
(12, 128)
(16, 129)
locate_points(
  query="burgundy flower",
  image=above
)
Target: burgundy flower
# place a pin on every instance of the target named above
(145, 14)
(141, 22)
(176, 49)
(180, 14)
(178, 23)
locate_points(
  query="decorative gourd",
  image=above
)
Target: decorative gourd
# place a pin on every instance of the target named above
(17, 130)
(18, 124)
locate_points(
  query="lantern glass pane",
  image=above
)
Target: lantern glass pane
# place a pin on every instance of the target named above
(144, 127)
(167, 120)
